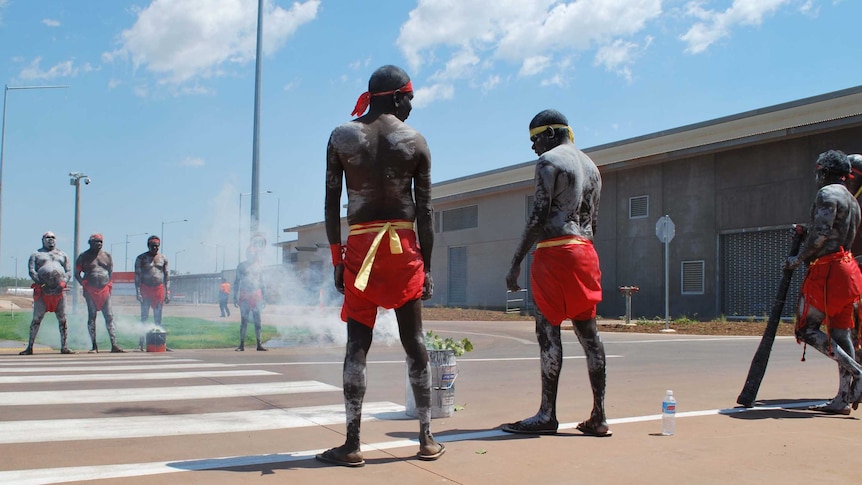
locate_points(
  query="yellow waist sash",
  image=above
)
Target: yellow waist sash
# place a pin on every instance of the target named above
(381, 228)
(562, 242)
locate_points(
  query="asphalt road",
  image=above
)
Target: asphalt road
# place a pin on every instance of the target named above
(223, 417)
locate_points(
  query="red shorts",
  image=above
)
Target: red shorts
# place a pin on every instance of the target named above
(832, 284)
(394, 279)
(51, 300)
(100, 295)
(155, 294)
(250, 298)
(566, 279)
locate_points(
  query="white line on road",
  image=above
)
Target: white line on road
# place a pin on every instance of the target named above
(97, 368)
(38, 431)
(98, 472)
(32, 398)
(145, 376)
(26, 361)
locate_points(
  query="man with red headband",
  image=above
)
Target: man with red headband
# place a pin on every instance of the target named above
(50, 271)
(249, 291)
(152, 282)
(833, 281)
(93, 270)
(565, 276)
(387, 167)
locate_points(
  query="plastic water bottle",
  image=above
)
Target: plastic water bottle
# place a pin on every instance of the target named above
(668, 414)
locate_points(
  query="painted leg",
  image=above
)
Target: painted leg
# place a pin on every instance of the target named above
(243, 325)
(551, 361)
(91, 322)
(594, 349)
(38, 315)
(256, 315)
(108, 313)
(811, 334)
(419, 372)
(355, 383)
(64, 331)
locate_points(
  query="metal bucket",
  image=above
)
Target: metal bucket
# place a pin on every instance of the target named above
(444, 371)
(156, 341)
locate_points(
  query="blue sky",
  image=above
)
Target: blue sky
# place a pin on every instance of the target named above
(159, 108)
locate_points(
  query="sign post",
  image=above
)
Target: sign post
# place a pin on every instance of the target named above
(665, 231)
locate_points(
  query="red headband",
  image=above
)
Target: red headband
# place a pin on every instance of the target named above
(365, 98)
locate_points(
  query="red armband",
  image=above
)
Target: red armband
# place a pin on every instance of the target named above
(337, 257)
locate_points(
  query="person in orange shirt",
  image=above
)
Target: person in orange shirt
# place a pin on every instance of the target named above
(223, 297)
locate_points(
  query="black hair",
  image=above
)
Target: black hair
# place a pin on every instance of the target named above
(833, 162)
(387, 78)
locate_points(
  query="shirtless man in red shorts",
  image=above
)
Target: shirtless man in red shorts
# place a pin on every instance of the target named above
(565, 274)
(93, 270)
(50, 270)
(387, 167)
(833, 281)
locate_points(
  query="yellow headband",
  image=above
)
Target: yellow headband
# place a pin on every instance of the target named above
(535, 131)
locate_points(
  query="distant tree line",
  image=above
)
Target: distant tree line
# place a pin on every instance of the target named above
(9, 281)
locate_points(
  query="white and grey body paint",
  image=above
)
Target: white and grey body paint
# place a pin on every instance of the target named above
(49, 268)
(96, 266)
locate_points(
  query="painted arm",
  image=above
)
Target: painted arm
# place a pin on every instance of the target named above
(818, 233)
(533, 230)
(424, 212)
(34, 275)
(79, 267)
(166, 278)
(332, 211)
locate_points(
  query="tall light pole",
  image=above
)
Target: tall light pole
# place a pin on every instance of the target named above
(255, 156)
(3, 135)
(12, 312)
(239, 226)
(75, 178)
(126, 263)
(177, 260)
(217, 246)
(163, 231)
(277, 230)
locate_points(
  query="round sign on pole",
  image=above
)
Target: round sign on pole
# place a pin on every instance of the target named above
(665, 229)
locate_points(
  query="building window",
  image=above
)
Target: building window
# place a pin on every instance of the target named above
(692, 277)
(639, 207)
(461, 218)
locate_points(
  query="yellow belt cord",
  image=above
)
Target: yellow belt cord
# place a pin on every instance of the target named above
(561, 242)
(380, 228)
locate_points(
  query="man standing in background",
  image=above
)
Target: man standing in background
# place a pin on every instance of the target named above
(93, 270)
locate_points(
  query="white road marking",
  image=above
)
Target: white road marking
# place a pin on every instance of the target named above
(100, 360)
(98, 472)
(149, 394)
(39, 431)
(96, 368)
(144, 376)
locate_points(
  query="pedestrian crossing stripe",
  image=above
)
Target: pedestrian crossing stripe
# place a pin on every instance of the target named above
(41, 431)
(143, 376)
(150, 394)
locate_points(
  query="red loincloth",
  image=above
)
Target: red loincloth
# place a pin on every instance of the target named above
(156, 294)
(99, 295)
(250, 298)
(51, 301)
(566, 279)
(394, 280)
(832, 284)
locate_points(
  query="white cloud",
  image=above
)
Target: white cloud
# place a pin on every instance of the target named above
(113, 83)
(193, 162)
(426, 95)
(469, 38)
(619, 55)
(62, 69)
(193, 39)
(51, 22)
(714, 25)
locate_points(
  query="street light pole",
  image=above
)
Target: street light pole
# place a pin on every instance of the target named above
(277, 230)
(126, 262)
(177, 260)
(239, 227)
(75, 179)
(163, 232)
(12, 312)
(3, 130)
(255, 157)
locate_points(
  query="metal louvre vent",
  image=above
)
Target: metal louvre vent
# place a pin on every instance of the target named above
(692, 277)
(751, 269)
(638, 207)
(457, 275)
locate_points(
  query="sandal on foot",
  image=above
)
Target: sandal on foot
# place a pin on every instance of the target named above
(520, 427)
(830, 408)
(431, 456)
(334, 456)
(588, 429)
